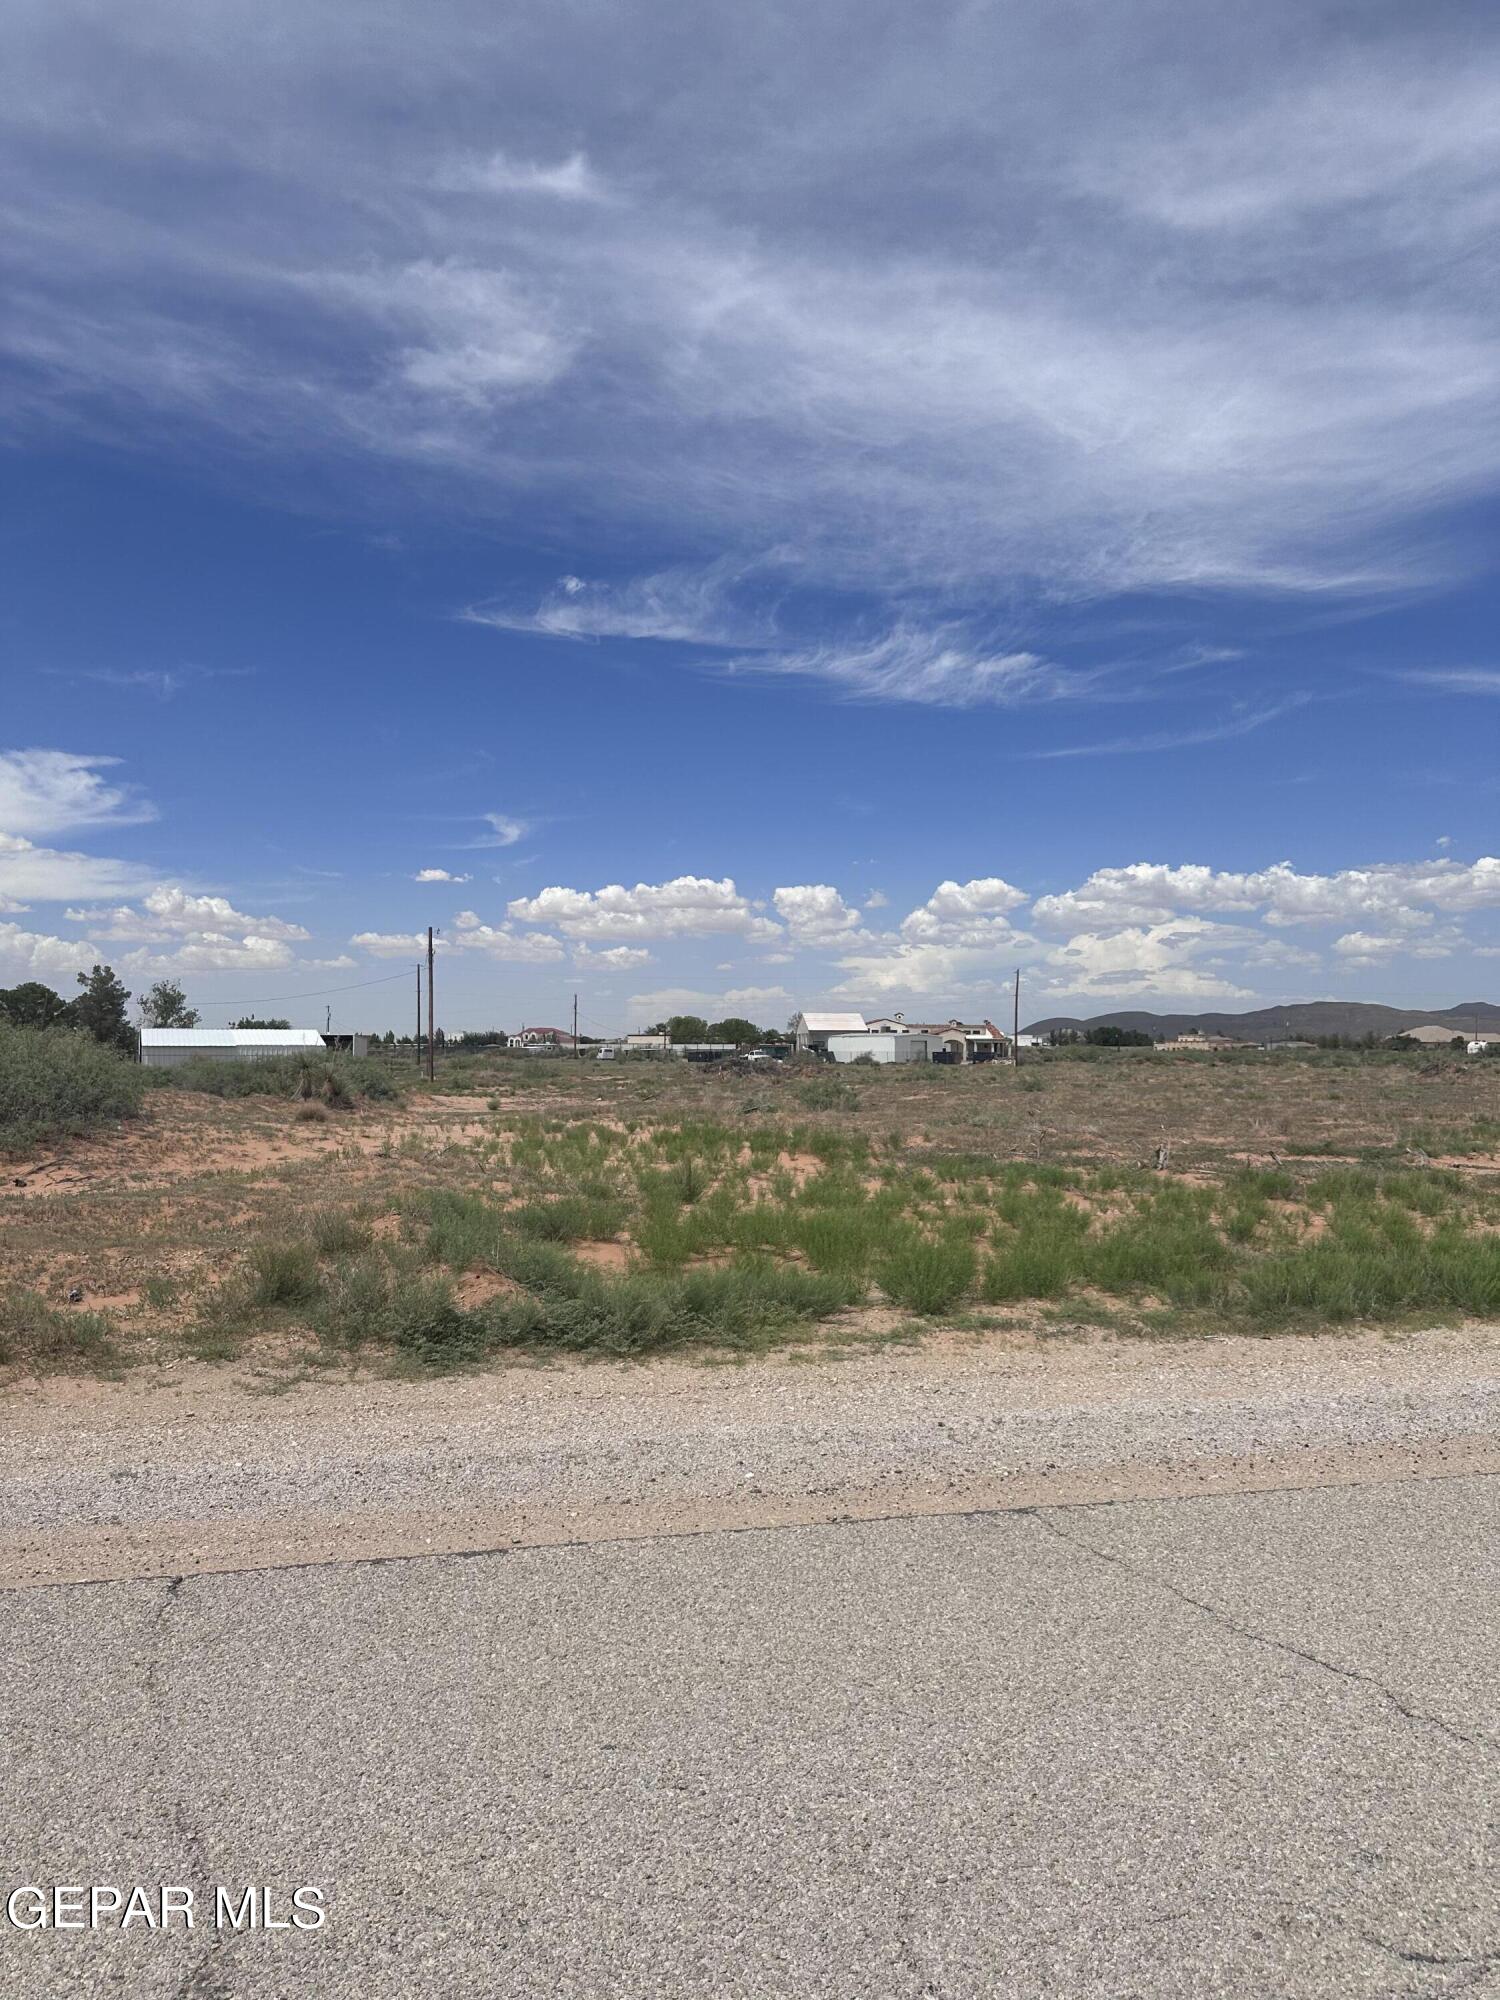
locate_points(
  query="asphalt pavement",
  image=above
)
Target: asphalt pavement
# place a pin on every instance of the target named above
(1242, 1745)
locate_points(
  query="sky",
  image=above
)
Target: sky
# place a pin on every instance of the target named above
(728, 509)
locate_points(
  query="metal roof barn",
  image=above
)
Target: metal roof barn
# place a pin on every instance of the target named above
(165, 1048)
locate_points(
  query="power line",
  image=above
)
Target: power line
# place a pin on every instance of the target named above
(268, 999)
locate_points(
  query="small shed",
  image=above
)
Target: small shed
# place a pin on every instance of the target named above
(166, 1048)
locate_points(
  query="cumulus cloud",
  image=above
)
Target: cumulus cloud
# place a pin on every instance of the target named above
(815, 914)
(170, 911)
(1401, 893)
(29, 873)
(687, 906)
(1147, 961)
(618, 957)
(33, 954)
(439, 875)
(52, 791)
(470, 933)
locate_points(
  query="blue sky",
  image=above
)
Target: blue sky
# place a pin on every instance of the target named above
(721, 509)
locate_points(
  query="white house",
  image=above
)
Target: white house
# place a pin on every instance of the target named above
(811, 1031)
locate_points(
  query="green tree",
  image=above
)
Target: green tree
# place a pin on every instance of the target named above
(245, 1021)
(32, 1005)
(100, 1008)
(733, 1028)
(687, 1028)
(165, 1006)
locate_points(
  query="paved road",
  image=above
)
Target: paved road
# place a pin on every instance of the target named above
(1240, 1745)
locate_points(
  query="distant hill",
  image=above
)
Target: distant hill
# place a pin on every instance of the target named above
(1309, 1018)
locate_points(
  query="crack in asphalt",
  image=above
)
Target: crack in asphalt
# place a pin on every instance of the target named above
(1473, 1740)
(200, 1980)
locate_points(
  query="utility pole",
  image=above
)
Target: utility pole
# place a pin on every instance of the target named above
(1015, 1025)
(430, 1030)
(328, 1019)
(575, 1024)
(419, 1018)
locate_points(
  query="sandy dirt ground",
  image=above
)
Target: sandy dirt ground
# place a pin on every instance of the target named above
(190, 1472)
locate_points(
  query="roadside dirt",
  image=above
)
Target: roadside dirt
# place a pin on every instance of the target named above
(192, 1470)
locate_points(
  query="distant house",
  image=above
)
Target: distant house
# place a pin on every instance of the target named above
(658, 1041)
(965, 1041)
(811, 1031)
(165, 1048)
(1430, 1036)
(541, 1039)
(887, 1024)
(1194, 1039)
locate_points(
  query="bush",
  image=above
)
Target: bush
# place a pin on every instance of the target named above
(927, 1276)
(335, 1080)
(52, 1339)
(55, 1081)
(283, 1274)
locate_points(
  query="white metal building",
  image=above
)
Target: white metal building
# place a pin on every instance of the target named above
(165, 1048)
(900, 1046)
(811, 1031)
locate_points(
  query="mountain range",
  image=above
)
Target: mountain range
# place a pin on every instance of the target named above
(1303, 1021)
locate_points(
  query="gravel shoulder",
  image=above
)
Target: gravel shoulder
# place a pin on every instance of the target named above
(188, 1474)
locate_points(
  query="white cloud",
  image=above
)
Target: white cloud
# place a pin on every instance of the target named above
(49, 791)
(169, 910)
(714, 1006)
(971, 913)
(569, 179)
(816, 915)
(877, 900)
(941, 665)
(439, 875)
(618, 957)
(470, 933)
(1365, 948)
(34, 953)
(393, 944)
(1455, 680)
(56, 875)
(687, 906)
(212, 951)
(1403, 893)
(1147, 961)
(505, 831)
(1240, 721)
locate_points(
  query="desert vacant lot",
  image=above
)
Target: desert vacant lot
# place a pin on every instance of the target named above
(528, 1207)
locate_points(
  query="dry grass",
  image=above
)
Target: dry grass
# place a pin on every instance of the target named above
(745, 1207)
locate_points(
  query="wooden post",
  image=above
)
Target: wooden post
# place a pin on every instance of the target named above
(1015, 1025)
(431, 1072)
(419, 1019)
(575, 1025)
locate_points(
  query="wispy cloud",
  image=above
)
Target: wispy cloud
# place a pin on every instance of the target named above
(54, 791)
(1180, 739)
(1455, 680)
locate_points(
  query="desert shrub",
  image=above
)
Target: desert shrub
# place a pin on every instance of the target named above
(336, 1233)
(55, 1081)
(927, 1275)
(283, 1274)
(351, 1310)
(335, 1080)
(828, 1093)
(424, 1321)
(47, 1340)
